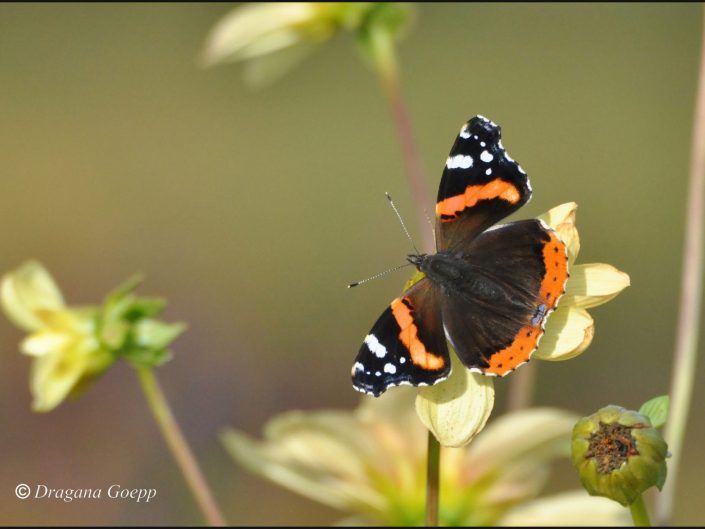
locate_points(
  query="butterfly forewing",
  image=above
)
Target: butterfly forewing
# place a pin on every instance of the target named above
(480, 185)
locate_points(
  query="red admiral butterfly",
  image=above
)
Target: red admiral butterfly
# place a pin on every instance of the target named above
(488, 290)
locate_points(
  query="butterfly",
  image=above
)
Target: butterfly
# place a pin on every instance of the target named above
(487, 290)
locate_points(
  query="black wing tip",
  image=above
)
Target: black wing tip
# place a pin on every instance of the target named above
(486, 130)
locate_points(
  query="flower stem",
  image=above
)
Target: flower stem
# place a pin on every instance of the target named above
(686, 345)
(179, 449)
(433, 467)
(385, 60)
(521, 387)
(640, 515)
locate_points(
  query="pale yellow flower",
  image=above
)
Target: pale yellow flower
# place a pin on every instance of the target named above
(62, 342)
(456, 410)
(272, 38)
(569, 330)
(370, 463)
(73, 345)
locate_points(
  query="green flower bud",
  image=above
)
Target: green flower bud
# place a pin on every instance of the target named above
(618, 454)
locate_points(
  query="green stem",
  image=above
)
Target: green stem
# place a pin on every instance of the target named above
(640, 515)
(686, 346)
(179, 449)
(433, 468)
(385, 61)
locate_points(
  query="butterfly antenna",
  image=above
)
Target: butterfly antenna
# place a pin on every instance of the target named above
(430, 223)
(356, 283)
(394, 207)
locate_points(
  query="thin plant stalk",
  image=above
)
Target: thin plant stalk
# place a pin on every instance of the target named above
(521, 387)
(385, 61)
(640, 516)
(686, 344)
(433, 468)
(179, 448)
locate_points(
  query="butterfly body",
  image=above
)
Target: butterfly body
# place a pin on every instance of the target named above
(489, 288)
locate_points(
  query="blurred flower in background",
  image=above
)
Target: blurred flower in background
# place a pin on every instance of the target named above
(63, 341)
(370, 463)
(73, 345)
(272, 38)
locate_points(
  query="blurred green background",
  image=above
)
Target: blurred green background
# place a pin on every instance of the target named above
(251, 211)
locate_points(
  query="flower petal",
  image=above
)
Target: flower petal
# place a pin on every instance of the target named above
(532, 436)
(569, 331)
(591, 285)
(508, 462)
(26, 289)
(311, 462)
(54, 375)
(457, 409)
(255, 29)
(562, 219)
(263, 70)
(567, 509)
(45, 342)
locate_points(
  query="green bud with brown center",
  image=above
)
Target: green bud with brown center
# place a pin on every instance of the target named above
(618, 454)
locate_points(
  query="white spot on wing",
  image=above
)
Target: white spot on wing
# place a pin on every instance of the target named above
(464, 132)
(358, 367)
(488, 172)
(486, 157)
(402, 360)
(390, 368)
(379, 350)
(459, 161)
(378, 374)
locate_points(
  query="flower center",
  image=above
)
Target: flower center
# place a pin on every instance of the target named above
(611, 445)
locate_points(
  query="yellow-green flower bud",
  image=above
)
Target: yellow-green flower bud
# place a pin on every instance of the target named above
(618, 454)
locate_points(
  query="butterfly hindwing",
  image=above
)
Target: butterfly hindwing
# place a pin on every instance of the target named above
(405, 346)
(480, 185)
(495, 319)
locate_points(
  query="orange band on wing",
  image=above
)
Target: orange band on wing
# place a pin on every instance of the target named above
(556, 262)
(509, 358)
(494, 189)
(409, 337)
(552, 287)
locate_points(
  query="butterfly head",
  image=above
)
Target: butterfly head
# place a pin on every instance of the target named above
(417, 260)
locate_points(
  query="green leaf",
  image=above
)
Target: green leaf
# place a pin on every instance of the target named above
(124, 289)
(113, 333)
(142, 357)
(656, 410)
(392, 16)
(155, 334)
(144, 308)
